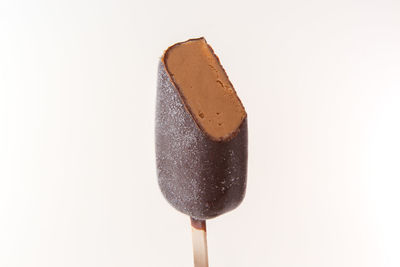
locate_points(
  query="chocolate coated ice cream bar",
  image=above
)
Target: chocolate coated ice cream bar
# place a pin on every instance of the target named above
(201, 132)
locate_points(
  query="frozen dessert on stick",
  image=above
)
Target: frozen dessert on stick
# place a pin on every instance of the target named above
(201, 134)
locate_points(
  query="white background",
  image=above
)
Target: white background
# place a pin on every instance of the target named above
(321, 84)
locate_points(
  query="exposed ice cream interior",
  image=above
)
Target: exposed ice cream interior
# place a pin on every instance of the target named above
(205, 88)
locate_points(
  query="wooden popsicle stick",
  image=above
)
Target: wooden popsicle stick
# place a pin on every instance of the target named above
(199, 238)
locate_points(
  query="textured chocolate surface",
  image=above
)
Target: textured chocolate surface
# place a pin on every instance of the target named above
(200, 177)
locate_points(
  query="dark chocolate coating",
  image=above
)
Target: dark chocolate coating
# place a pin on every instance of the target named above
(200, 177)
